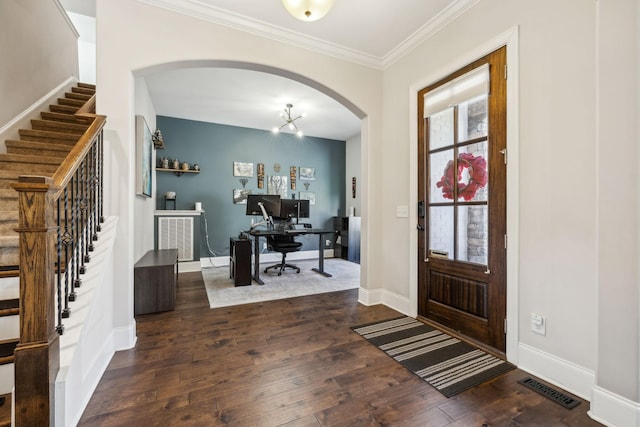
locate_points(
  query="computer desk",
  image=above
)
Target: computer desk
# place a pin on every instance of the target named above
(264, 233)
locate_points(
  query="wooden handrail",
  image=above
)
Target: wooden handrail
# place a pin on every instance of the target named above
(70, 164)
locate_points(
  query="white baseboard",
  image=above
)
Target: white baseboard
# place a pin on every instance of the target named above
(612, 410)
(125, 337)
(562, 373)
(382, 296)
(188, 266)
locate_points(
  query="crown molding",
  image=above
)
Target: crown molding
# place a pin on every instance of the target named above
(201, 10)
(428, 30)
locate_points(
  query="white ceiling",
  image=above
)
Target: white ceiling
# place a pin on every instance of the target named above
(369, 32)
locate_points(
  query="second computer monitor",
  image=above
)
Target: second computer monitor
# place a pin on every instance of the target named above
(294, 208)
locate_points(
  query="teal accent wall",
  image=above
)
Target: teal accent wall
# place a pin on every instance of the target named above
(214, 147)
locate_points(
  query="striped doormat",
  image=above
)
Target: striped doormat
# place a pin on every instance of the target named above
(445, 362)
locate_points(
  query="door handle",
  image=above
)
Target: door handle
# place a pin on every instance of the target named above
(420, 227)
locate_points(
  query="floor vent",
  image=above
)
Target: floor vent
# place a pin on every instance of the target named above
(559, 397)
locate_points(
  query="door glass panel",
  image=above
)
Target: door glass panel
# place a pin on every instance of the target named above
(473, 234)
(473, 170)
(441, 231)
(441, 185)
(441, 129)
(472, 119)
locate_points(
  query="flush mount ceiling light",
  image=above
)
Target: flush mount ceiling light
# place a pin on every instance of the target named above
(308, 10)
(289, 121)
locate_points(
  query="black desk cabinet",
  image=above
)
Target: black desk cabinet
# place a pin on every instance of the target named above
(348, 229)
(240, 261)
(155, 278)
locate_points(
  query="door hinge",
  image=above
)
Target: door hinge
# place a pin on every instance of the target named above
(505, 72)
(504, 153)
(505, 241)
(505, 325)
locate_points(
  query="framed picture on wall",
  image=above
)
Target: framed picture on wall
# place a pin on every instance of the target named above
(307, 174)
(277, 184)
(144, 158)
(240, 196)
(243, 169)
(308, 195)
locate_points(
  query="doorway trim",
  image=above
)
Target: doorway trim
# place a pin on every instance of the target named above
(508, 38)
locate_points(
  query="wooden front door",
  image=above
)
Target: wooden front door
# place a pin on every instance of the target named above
(462, 192)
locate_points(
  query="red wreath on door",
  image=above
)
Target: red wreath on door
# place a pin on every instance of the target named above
(477, 168)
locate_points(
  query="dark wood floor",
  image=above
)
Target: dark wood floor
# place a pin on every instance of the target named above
(290, 363)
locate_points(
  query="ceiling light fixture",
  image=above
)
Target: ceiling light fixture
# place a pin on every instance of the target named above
(308, 10)
(289, 121)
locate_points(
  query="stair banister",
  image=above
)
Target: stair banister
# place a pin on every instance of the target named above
(37, 354)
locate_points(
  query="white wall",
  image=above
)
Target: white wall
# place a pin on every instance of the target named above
(36, 39)
(353, 168)
(144, 206)
(86, 27)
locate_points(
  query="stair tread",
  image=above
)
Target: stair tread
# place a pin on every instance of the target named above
(38, 145)
(63, 108)
(14, 174)
(64, 127)
(27, 158)
(9, 215)
(78, 95)
(58, 117)
(9, 271)
(49, 134)
(9, 307)
(7, 346)
(71, 102)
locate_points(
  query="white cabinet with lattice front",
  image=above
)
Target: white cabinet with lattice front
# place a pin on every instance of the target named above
(179, 230)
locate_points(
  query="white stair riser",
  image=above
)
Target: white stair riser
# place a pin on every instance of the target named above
(6, 378)
(9, 288)
(9, 327)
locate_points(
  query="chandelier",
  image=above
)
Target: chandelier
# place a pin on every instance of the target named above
(308, 10)
(289, 121)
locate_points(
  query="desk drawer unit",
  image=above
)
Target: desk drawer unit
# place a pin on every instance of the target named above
(240, 261)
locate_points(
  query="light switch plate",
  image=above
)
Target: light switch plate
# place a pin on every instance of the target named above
(402, 211)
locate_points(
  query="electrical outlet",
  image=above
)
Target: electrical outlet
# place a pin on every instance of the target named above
(328, 243)
(538, 324)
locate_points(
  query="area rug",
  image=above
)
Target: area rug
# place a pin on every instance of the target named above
(445, 362)
(222, 292)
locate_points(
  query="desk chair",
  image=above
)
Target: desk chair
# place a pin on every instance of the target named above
(283, 244)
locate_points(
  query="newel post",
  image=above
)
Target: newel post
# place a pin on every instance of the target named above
(37, 356)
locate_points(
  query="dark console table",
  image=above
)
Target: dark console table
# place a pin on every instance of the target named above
(155, 277)
(240, 261)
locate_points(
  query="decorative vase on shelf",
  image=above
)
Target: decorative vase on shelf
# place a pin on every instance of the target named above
(176, 164)
(196, 167)
(185, 166)
(165, 163)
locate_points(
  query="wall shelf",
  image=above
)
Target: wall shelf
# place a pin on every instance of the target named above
(178, 172)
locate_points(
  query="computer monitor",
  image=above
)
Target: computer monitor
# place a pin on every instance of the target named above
(271, 203)
(294, 208)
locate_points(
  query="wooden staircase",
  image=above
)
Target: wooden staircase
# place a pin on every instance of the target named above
(39, 151)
